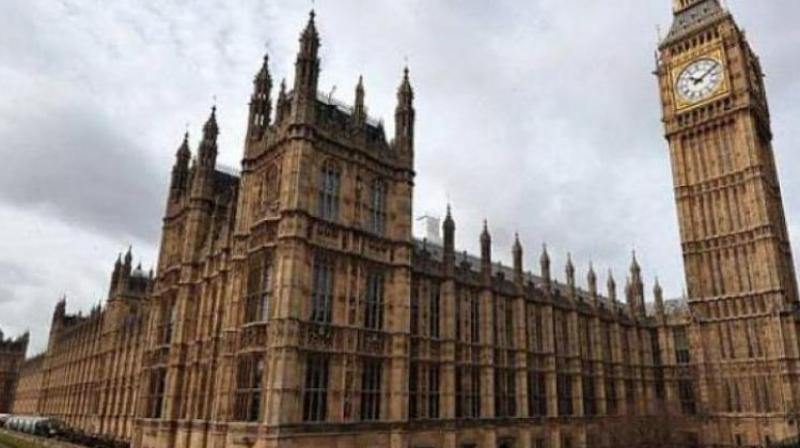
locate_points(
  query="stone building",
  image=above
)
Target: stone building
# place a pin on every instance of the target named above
(29, 387)
(89, 374)
(292, 307)
(12, 355)
(739, 269)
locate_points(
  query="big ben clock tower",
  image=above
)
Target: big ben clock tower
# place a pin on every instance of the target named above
(737, 257)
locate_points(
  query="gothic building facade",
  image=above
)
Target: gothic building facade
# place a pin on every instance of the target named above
(12, 355)
(292, 307)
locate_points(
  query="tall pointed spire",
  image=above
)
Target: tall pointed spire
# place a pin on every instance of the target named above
(359, 110)
(309, 39)
(405, 93)
(591, 281)
(128, 258)
(629, 294)
(306, 76)
(569, 270)
(260, 102)
(636, 293)
(635, 268)
(180, 170)
(516, 253)
(404, 116)
(658, 295)
(184, 153)
(449, 231)
(211, 129)
(203, 171)
(115, 275)
(280, 105)
(207, 153)
(611, 285)
(679, 6)
(486, 251)
(544, 266)
(127, 267)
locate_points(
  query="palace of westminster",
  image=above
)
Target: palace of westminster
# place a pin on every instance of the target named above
(292, 307)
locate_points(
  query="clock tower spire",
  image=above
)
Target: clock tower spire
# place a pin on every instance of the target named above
(682, 5)
(736, 250)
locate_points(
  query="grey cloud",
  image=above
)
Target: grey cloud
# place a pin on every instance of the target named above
(542, 116)
(69, 160)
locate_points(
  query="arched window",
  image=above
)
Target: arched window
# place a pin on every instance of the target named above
(328, 192)
(377, 214)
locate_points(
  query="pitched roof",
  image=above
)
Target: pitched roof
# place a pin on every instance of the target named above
(693, 18)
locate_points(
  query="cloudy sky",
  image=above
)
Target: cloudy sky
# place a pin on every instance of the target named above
(541, 116)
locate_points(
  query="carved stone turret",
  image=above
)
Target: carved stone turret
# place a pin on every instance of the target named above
(611, 286)
(591, 282)
(306, 74)
(544, 267)
(449, 231)
(658, 295)
(486, 251)
(179, 183)
(260, 103)
(569, 270)
(516, 253)
(203, 178)
(359, 109)
(404, 118)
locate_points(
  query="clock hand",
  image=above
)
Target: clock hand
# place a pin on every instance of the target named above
(709, 71)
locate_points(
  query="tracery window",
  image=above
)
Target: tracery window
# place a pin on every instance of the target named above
(686, 395)
(424, 391)
(257, 301)
(415, 305)
(474, 317)
(562, 334)
(433, 310)
(509, 324)
(682, 354)
(630, 392)
(589, 397)
(505, 394)
(249, 379)
(371, 390)
(564, 392)
(611, 396)
(158, 385)
(315, 391)
(468, 392)
(167, 321)
(378, 207)
(433, 391)
(373, 315)
(537, 394)
(328, 192)
(538, 330)
(322, 289)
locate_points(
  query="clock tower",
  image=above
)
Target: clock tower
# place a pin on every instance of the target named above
(737, 257)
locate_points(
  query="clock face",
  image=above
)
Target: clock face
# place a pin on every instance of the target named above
(699, 80)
